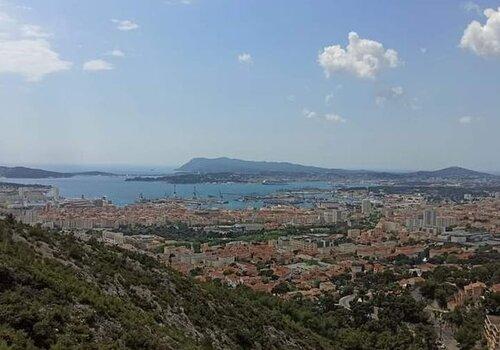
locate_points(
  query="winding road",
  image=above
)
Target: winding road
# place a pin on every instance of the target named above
(346, 301)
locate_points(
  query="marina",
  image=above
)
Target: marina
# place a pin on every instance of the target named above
(226, 195)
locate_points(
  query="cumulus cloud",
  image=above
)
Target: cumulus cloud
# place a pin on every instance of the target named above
(483, 40)
(470, 6)
(25, 50)
(125, 25)
(309, 114)
(329, 99)
(397, 90)
(414, 104)
(116, 53)
(245, 58)
(182, 2)
(393, 93)
(330, 117)
(380, 101)
(34, 31)
(467, 120)
(31, 58)
(24, 7)
(335, 118)
(362, 57)
(97, 65)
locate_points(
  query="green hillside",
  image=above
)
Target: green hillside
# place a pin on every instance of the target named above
(57, 292)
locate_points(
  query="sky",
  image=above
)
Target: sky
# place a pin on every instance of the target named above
(393, 85)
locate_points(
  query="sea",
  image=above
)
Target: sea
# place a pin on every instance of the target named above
(122, 192)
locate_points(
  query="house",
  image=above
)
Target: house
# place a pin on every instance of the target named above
(495, 288)
(470, 292)
(410, 281)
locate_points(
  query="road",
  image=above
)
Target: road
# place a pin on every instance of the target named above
(346, 301)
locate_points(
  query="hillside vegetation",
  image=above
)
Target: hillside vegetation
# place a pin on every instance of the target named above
(58, 292)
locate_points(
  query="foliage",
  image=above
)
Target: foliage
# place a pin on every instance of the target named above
(59, 292)
(468, 321)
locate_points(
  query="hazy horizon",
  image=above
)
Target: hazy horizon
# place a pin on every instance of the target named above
(160, 168)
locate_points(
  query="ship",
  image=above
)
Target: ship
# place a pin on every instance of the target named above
(274, 182)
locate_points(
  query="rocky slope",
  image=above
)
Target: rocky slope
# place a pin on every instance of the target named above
(59, 292)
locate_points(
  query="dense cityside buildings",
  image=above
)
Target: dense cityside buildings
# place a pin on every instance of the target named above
(324, 249)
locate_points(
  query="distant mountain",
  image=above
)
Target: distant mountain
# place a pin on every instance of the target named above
(451, 172)
(22, 172)
(228, 165)
(30, 173)
(237, 166)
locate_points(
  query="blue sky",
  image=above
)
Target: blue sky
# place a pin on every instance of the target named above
(158, 82)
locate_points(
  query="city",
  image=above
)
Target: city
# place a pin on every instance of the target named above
(249, 175)
(310, 243)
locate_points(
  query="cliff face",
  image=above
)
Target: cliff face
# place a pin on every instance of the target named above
(57, 291)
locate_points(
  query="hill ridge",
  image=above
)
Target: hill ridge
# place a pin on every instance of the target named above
(21, 172)
(226, 164)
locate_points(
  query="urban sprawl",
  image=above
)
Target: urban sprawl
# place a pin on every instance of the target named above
(329, 246)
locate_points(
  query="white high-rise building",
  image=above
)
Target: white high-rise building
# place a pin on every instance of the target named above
(337, 216)
(54, 193)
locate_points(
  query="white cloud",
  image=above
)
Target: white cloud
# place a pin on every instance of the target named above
(330, 117)
(380, 101)
(309, 114)
(34, 31)
(329, 99)
(97, 65)
(125, 25)
(423, 50)
(397, 90)
(362, 57)
(31, 58)
(245, 58)
(290, 98)
(116, 53)
(26, 51)
(467, 120)
(484, 40)
(393, 93)
(24, 7)
(470, 6)
(335, 118)
(182, 2)
(414, 104)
